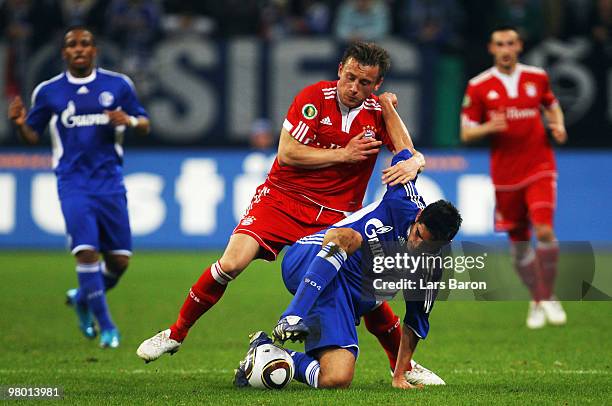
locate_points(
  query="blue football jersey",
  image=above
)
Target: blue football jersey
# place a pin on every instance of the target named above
(87, 149)
(382, 225)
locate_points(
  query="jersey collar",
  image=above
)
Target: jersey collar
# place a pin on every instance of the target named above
(345, 109)
(81, 81)
(510, 81)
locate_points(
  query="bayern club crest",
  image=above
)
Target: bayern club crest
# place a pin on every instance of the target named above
(369, 131)
(530, 89)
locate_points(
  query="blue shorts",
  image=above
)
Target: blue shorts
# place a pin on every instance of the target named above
(99, 223)
(333, 318)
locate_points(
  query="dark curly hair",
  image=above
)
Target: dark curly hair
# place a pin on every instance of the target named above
(369, 54)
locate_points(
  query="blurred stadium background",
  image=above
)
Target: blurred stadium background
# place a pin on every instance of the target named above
(216, 79)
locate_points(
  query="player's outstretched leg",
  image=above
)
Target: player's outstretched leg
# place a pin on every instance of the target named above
(384, 324)
(203, 295)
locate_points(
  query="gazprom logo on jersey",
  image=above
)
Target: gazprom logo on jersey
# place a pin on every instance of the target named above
(70, 120)
(375, 227)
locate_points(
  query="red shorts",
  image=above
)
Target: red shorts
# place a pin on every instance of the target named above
(532, 204)
(276, 219)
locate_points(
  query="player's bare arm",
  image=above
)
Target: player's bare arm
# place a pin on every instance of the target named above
(556, 123)
(17, 114)
(118, 117)
(291, 152)
(407, 170)
(496, 124)
(407, 346)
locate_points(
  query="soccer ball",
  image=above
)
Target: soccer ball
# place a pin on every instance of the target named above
(271, 367)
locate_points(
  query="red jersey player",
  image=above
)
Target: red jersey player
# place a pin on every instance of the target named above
(328, 147)
(503, 103)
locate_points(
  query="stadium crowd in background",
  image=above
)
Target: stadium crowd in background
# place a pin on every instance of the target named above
(443, 30)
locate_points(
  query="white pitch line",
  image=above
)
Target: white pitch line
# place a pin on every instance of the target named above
(533, 371)
(125, 371)
(152, 371)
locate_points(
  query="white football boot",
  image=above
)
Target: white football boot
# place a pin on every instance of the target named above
(554, 312)
(158, 345)
(536, 318)
(419, 375)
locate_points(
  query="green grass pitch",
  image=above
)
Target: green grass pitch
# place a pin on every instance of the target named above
(482, 349)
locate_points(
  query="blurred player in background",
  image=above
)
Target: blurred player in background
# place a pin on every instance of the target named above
(88, 110)
(503, 103)
(327, 151)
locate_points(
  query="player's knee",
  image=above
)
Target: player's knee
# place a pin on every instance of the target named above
(232, 265)
(117, 264)
(335, 379)
(87, 256)
(544, 232)
(346, 238)
(520, 234)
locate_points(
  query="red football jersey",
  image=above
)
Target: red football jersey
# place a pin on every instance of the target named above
(317, 118)
(522, 153)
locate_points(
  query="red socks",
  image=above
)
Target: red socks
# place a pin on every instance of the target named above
(527, 268)
(204, 294)
(548, 257)
(385, 325)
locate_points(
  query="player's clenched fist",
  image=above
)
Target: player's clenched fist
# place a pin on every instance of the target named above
(117, 117)
(17, 112)
(388, 97)
(558, 132)
(498, 122)
(359, 148)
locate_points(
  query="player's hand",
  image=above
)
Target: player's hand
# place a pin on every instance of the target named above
(402, 383)
(389, 98)
(498, 122)
(402, 172)
(118, 117)
(558, 132)
(17, 112)
(359, 148)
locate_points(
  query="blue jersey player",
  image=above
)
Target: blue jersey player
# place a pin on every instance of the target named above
(324, 272)
(87, 110)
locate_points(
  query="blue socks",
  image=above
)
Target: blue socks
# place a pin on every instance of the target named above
(91, 291)
(320, 273)
(306, 368)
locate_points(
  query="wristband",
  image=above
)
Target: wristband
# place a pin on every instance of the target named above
(133, 122)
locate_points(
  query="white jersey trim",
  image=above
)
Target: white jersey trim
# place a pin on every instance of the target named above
(81, 81)
(42, 84)
(481, 77)
(119, 75)
(511, 81)
(57, 149)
